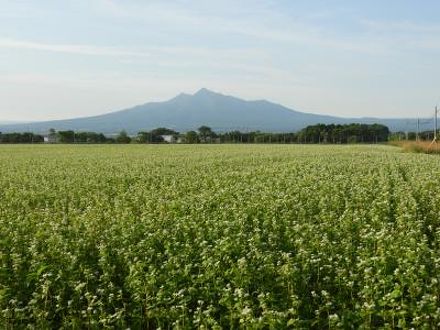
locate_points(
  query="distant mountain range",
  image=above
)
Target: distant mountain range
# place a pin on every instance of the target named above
(220, 112)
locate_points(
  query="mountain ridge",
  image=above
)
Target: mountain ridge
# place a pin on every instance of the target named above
(186, 112)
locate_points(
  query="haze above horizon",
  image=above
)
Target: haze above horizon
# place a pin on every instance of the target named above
(67, 59)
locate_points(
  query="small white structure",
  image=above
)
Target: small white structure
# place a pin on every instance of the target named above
(51, 138)
(169, 138)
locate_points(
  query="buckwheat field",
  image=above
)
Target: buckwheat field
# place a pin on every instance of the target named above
(218, 236)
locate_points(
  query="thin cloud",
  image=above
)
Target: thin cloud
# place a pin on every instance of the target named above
(259, 21)
(69, 48)
(405, 34)
(401, 26)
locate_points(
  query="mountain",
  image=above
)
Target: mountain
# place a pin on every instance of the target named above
(188, 112)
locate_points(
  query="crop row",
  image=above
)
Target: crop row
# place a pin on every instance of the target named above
(218, 237)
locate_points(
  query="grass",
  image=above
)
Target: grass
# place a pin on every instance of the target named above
(426, 147)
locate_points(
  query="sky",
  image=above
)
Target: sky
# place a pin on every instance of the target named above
(72, 58)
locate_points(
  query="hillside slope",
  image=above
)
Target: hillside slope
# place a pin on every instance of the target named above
(187, 112)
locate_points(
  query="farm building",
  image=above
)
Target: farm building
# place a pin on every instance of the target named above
(171, 139)
(51, 138)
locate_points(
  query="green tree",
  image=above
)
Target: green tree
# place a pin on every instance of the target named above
(206, 134)
(123, 137)
(66, 136)
(149, 137)
(191, 137)
(163, 131)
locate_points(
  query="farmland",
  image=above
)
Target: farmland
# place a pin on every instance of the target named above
(218, 236)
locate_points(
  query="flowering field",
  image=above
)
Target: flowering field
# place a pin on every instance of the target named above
(218, 236)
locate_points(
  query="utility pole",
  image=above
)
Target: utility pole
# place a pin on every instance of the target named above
(435, 123)
(434, 141)
(418, 130)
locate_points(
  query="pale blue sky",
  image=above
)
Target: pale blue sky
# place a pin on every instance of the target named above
(70, 58)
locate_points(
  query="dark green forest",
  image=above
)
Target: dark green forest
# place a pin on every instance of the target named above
(315, 134)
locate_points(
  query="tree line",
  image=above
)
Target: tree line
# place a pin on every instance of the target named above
(314, 134)
(342, 134)
(26, 137)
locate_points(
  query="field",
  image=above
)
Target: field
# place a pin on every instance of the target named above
(218, 236)
(426, 147)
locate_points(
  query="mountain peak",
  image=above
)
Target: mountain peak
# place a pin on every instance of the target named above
(186, 112)
(205, 91)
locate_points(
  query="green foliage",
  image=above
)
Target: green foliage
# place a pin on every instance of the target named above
(155, 135)
(350, 133)
(191, 137)
(264, 237)
(163, 131)
(66, 136)
(206, 134)
(123, 137)
(144, 137)
(20, 138)
(90, 137)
